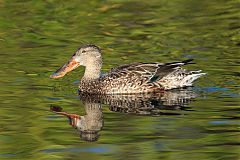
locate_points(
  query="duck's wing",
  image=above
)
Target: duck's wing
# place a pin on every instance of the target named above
(137, 70)
(151, 72)
(166, 68)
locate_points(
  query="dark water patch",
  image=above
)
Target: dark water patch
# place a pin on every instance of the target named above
(90, 150)
(224, 122)
(54, 98)
(7, 155)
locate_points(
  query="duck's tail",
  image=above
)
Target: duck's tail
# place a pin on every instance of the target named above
(180, 78)
(191, 77)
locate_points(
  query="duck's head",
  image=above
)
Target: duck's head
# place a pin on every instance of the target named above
(87, 55)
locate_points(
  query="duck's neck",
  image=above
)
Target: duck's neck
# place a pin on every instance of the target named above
(92, 71)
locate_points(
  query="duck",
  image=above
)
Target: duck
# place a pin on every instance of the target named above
(133, 78)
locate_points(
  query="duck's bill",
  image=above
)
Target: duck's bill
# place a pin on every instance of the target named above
(69, 66)
(73, 118)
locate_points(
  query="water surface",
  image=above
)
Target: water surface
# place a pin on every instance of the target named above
(36, 37)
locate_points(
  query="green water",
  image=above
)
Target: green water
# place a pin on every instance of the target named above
(37, 37)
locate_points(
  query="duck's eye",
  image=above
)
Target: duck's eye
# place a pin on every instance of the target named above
(83, 51)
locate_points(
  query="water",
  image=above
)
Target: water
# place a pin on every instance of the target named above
(36, 37)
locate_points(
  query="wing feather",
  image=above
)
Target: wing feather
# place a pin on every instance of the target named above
(148, 72)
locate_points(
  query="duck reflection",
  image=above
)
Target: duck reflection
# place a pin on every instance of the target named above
(90, 124)
(144, 104)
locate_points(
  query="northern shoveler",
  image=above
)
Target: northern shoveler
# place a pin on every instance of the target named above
(127, 79)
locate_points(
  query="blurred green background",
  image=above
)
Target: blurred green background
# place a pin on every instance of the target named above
(37, 37)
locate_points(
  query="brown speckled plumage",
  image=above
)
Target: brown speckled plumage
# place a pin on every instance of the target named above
(127, 79)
